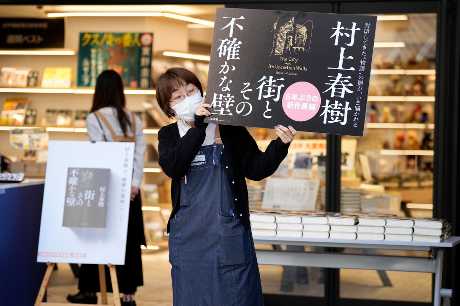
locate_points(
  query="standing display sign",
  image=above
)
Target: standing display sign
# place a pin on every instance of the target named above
(86, 202)
(308, 70)
(31, 33)
(129, 54)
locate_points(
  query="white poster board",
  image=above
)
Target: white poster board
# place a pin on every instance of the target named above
(290, 194)
(104, 245)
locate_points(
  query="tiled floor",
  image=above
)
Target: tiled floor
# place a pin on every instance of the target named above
(356, 284)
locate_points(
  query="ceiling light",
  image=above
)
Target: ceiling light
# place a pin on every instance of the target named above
(392, 18)
(202, 22)
(199, 57)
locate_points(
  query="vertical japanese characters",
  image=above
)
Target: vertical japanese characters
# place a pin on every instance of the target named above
(337, 107)
(268, 87)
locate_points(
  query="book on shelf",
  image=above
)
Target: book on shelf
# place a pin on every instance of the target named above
(256, 216)
(315, 235)
(288, 219)
(14, 77)
(316, 227)
(319, 218)
(428, 231)
(425, 238)
(396, 237)
(371, 221)
(57, 77)
(399, 230)
(342, 236)
(290, 226)
(14, 111)
(263, 225)
(338, 219)
(371, 229)
(370, 236)
(344, 228)
(429, 223)
(289, 234)
(79, 119)
(399, 222)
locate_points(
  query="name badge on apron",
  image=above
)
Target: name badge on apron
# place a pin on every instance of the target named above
(200, 159)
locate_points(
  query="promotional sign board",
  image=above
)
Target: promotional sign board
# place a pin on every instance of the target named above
(308, 70)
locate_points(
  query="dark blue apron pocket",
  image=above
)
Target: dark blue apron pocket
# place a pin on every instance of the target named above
(234, 245)
(173, 239)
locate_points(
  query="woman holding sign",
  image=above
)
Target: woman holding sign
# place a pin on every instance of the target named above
(210, 244)
(109, 120)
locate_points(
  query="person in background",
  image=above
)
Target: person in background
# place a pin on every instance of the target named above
(109, 120)
(211, 249)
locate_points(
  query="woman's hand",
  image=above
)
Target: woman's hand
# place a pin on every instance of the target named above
(201, 113)
(203, 110)
(286, 134)
(134, 192)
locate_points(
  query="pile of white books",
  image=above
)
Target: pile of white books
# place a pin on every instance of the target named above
(399, 229)
(371, 228)
(343, 227)
(430, 230)
(346, 227)
(263, 224)
(315, 226)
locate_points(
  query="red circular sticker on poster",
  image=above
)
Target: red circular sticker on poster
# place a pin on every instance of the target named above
(301, 101)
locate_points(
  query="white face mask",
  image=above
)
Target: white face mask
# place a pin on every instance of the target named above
(185, 110)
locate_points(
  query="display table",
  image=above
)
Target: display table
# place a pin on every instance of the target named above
(21, 275)
(359, 261)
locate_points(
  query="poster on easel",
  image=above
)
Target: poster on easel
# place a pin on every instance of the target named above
(86, 202)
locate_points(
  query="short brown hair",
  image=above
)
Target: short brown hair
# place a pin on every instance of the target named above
(169, 81)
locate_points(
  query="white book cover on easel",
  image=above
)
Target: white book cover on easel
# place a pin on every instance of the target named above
(86, 245)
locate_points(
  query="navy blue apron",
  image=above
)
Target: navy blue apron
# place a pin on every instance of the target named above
(212, 256)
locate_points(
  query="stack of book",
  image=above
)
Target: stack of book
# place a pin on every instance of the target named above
(371, 228)
(399, 229)
(342, 227)
(350, 201)
(315, 226)
(263, 224)
(346, 227)
(289, 226)
(430, 230)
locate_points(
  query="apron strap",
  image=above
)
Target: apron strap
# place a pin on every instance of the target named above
(133, 124)
(100, 126)
(104, 120)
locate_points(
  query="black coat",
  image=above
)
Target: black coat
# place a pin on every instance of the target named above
(241, 157)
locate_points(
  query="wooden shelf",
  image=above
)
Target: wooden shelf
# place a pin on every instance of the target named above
(53, 129)
(422, 99)
(407, 152)
(38, 52)
(401, 126)
(403, 72)
(74, 91)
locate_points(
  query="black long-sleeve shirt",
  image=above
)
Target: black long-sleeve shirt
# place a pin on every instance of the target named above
(241, 158)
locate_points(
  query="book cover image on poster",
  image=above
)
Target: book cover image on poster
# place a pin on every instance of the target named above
(85, 202)
(308, 70)
(130, 54)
